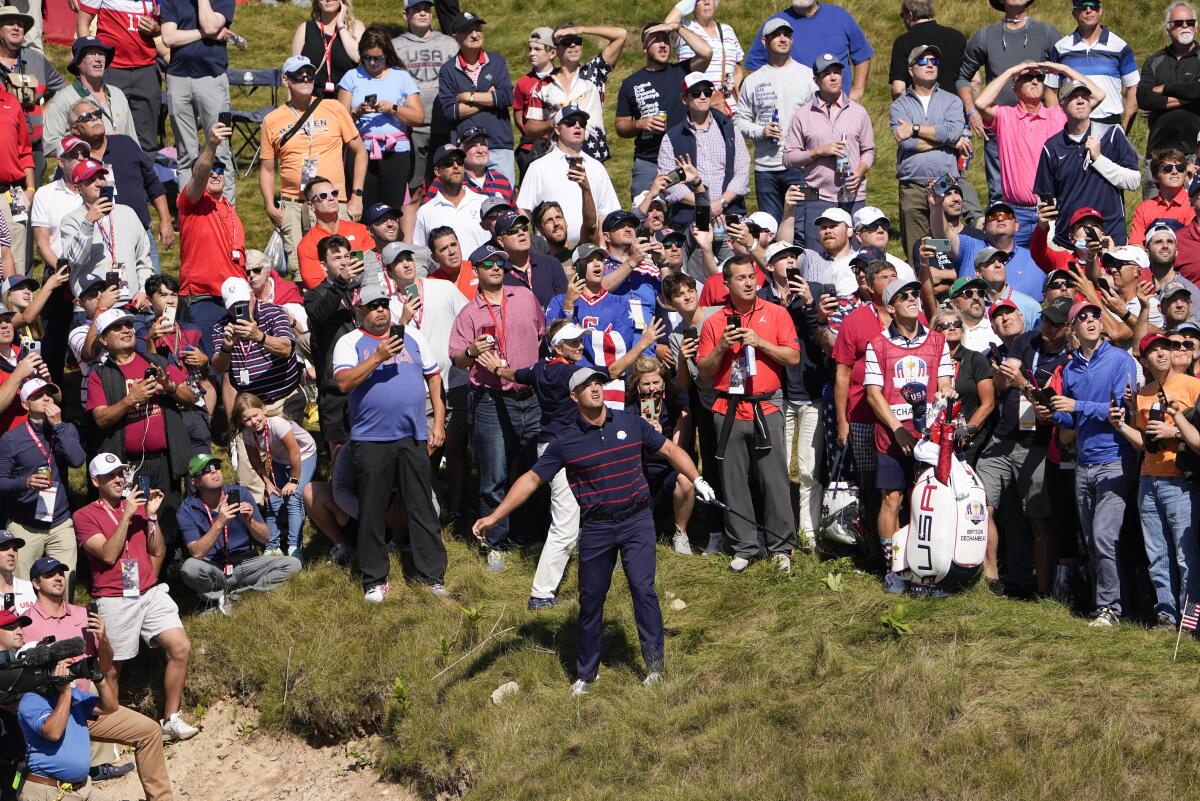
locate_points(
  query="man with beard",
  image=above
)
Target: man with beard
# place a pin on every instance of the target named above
(968, 296)
(1165, 86)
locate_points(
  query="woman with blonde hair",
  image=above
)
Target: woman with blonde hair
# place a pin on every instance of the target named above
(284, 456)
(19, 297)
(329, 39)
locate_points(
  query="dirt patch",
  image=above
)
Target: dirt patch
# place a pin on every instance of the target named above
(231, 760)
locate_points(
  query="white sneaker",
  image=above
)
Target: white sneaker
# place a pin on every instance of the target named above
(272, 552)
(893, 584)
(439, 589)
(376, 593)
(681, 543)
(176, 729)
(580, 687)
(652, 678)
(783, 562)
(225, 604)
(739, 564)
(495, 561)
(1105, 619)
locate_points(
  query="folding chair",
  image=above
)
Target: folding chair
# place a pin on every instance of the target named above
(248, 123)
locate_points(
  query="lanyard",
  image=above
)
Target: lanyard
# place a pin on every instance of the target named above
(103, 504)
(212, 521)
(262, 440)
(503, 324)
(110, 239)
(524, 276)
(327, 42)
(43, 448)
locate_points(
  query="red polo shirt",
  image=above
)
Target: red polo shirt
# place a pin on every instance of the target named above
(773, 324)
(16, 148)
(210, 234)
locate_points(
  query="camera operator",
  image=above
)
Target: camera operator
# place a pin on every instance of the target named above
(53, 616)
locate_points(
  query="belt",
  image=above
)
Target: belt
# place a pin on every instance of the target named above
(762, 438)
(616, 517)
(62, 785)
(518, 394)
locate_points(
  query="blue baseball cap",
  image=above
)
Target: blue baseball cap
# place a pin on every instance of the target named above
(377, 211)
(45, 566)
(296, 63)
(488, 251)
(566, 112)
(8, 538)
(414, 3)
(616, 219)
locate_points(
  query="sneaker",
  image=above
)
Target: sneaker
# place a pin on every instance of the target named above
(782, 562)
(997, 588)
(739, 564)
(176, 729)
(225, 604)
(1165, 623)
(1104, 619)
(102, 773)
(297, 552)
(376, 593)
(495, 561)
(439, 589)
(580, 687)
(540, 603)
(893, 584)
(272, 552)
(681, 543)
(652, 678)
(341, 555)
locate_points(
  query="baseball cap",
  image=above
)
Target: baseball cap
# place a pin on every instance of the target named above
(369, 293)
(446, 151)
(1057, 310)
(896, 287)
(464, 21)
(825, 61)
(1080, 306)
(764, 221)
(998, 205)
(487, 251)
(615, 219)
(835, 214)
(543, 36)
(659, 199)
(695, 79)
(108, 318)
(199, 462)
(1008, 304)
(1070, 87)
(234, 290)
(410, 3)
(469, 132)
(988, 255)
(566, 334)
(774, 24)
(507, 219)
(36, 385)
(1187, 326)
(921, 50)
(566, 112)
(86, 282)
(869, 254)
(965, 281)
(669, 233)
(1172, 289)
(392, 250)
(18, 280)
(1083, 214)
(778, 249)
(1193, 186)
(493, 203)
(88, 43)
(45, 566)
(69, 143)
(103, 464)
(377, 211)
(86, 170)
(1059, 273)
(8, 538)
(296, 63)
(1150, 340)
(1127, 254)
(10, 618)
(869, 215)
(585, 375)
(1159, 227)
(585, 251)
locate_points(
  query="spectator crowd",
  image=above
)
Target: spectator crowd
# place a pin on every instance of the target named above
(459, 328)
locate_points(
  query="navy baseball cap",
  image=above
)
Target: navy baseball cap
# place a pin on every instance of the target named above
(567, 112)
(616, 219)
(377, 211)
(45, 566)
(669, 233)
(869, 254)
(87, 43)
(488, 251)
(8, 538)
(469, 132)
(507, 219)
(465, 21)
(446, 151)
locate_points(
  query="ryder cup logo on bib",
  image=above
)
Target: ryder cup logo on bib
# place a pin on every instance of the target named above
(910, 369)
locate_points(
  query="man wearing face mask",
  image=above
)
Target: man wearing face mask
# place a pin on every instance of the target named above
(1166, 86)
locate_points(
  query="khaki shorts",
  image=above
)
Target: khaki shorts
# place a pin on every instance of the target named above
(125, 619)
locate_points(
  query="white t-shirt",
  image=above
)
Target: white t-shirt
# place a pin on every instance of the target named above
(441, 301)
(546, 179)
(51, 204)
(277, 428)
(23, 594)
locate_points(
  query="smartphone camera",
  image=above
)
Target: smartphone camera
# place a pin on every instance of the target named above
(674, 177)
(225, 118)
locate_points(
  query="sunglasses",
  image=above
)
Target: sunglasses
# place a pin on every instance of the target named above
(573, 122)
(1089, 6)
(1173, 168)
(569, 41)
(218, 171)
(1171, 344)
(700, 91)
(908, 294)
(1031, 76)
(1087, 316)
(971, 294)
(89, 116)
(519, 228)
(374, 59)
(1185, 344)
(332, 193)
(926, 61)
(1000, 216)
(491, 264)
(376, 305)
(121, 326)
(672, 244)
(1058, 285)
(1183, 23)
(303, 77)
(452, 161)
(211, 467)
(954, 326)
(881, 225)
(254, 270)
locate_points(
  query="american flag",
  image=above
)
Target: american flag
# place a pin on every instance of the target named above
(1191, 617)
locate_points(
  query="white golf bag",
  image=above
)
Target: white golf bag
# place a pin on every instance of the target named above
(945, 542)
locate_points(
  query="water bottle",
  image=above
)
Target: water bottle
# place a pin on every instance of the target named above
(718, 230)
(964, 162)
(775, 121)
(842, 168)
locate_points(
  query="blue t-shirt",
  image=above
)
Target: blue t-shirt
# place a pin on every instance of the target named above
(393, 86)
(234, 545)
(830, 29)
(206, 58)
(390, 404)
(67, 759)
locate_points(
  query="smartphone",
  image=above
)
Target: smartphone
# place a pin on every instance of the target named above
(574, 162)
(150, 373)
(581, 271)
(690, 333)
(703, 217)
(1046, 199)
(397, 332)
(109, 193)
(1090, 232)
(734, 219)
(674, 177)
(240, 311)
(643, 231)
(233, 496)
(370, 100)
(143, 483)
(112, 278)
(995, 354)
(793, 274)
(811, 194)
(225, 118)
(168, 315)
(940, 245)
(489, 331)
(412, 291)
(1102, 283)
(648, 408)
(93, 608)
(944, 184)
(733, 321)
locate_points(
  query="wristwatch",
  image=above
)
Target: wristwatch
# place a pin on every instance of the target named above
(916, 132)
(356, 192)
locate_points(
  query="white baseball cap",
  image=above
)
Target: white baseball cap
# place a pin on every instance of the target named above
(109, 318)
(867, 215)
(35, 385)
(104, 464)
(694, 78)
(778, 249)
(566, 334)
(234, 290)
(764, 221)
(835, 214)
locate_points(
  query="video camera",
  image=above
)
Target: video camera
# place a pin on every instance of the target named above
(32, 670)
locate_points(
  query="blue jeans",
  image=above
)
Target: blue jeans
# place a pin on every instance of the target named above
(644, 173)
(506, 162)
(286, 515)
(1027, 219)
(991, 168)
(1100, 493)
(204, 312)
(505, 434)
(1169, 528)
(154, 258)
(769, 189)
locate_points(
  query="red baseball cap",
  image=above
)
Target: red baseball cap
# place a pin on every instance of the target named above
(8, 617)
(69, 143)
(86, 170)
(1084, 213)
(1002, 305)
(1148, 341)
(1080, 306)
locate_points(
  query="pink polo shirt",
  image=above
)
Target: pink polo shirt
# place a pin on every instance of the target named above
(71, 623)
(1020, 137)
(517, 324)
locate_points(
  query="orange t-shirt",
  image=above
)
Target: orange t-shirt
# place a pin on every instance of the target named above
(467, 282)
(324, 135)
(311, 271)
(1183, 388)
